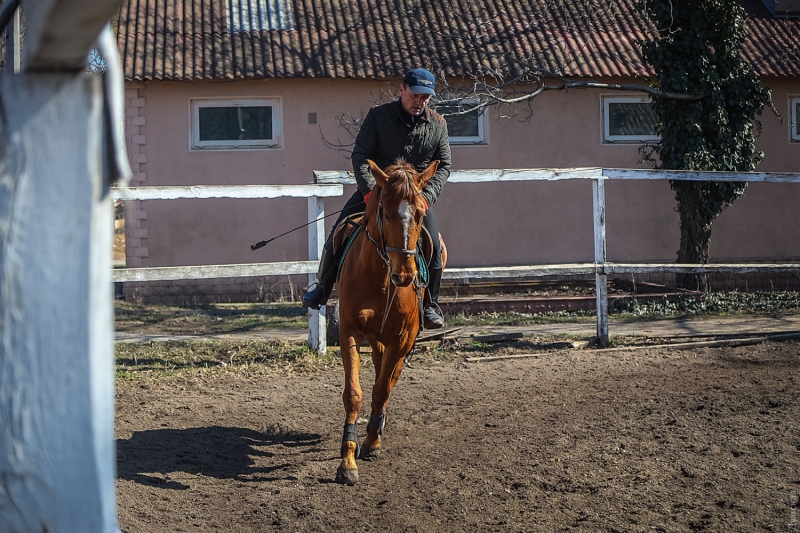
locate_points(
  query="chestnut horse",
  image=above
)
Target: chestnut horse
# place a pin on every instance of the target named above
(379, 298)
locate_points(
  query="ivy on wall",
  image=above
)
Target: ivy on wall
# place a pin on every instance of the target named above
(696, 51)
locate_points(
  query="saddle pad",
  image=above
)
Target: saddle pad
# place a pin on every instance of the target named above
(349, 228)
(345, 231)
(344, 235)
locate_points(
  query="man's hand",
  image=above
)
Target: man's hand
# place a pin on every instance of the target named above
(366, 197)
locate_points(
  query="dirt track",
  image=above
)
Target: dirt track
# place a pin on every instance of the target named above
(648, 440)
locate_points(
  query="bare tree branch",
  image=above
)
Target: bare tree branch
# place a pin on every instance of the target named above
(351, 125)
(530, 79)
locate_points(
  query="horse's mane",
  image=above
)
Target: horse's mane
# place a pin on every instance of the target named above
(402, 184)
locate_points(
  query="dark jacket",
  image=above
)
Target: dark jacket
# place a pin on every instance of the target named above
(387, 134)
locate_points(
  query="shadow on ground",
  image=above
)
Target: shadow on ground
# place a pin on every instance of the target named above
(219, 452)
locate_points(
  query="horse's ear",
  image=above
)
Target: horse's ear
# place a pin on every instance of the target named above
(428, 173)
(379, 175)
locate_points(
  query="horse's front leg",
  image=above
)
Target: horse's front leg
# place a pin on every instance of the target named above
(347, 472)
(370, 448)
(391, 367)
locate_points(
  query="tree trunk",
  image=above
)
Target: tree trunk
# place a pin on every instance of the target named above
(695, 245)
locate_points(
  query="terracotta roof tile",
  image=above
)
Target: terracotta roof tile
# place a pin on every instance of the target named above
(234, 39)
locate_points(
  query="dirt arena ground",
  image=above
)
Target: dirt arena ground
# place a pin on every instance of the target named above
(653, 439)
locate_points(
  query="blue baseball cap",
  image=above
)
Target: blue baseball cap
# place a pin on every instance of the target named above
(420, 81)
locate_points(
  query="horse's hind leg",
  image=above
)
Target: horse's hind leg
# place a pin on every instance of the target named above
(347, 472)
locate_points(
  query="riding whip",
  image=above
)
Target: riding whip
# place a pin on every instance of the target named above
(261, 244)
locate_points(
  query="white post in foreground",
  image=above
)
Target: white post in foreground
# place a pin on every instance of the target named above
(316, 239)
(57, 456)
(601, 278)
(13, 41)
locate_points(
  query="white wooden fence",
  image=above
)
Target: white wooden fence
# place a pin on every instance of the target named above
(330, 183)
(601, 268)
(316, 194)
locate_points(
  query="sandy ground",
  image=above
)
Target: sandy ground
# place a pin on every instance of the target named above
(653, 439)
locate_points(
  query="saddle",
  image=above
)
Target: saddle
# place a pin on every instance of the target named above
(348, 229)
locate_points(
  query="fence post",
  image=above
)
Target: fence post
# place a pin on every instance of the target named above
(316, 239)
(600, 277)
(57, 456)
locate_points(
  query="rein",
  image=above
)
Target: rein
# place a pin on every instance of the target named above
(383, 251)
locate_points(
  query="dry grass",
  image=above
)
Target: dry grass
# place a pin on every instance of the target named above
(207, 319)
(158, 360)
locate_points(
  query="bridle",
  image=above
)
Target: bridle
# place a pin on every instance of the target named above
(383, 250)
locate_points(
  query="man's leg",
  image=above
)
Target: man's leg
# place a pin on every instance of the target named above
(432, 313)
(329, 264)
(318, 296)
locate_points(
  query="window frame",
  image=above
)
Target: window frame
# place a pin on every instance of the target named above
(481, 138)
(195, 104)
(794, 125)
(606, 100)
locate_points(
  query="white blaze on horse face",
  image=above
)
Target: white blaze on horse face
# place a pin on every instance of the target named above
(406, 215)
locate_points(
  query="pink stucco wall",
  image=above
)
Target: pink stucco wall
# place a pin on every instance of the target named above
(483, 224)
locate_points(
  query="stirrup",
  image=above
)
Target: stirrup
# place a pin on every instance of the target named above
(432, 323)
(308, 302)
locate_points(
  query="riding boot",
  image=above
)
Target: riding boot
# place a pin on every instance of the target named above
(326, 277)
(433, 318)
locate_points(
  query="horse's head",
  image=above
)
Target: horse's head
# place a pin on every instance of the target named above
(398, 210)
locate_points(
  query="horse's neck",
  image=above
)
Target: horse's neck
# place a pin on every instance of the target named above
(367, 252)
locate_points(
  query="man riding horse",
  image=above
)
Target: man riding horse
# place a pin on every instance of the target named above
(408, 129)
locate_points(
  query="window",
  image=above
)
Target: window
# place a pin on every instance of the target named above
(794, 103)
(630, 119)
(236, 124)
(464, 129)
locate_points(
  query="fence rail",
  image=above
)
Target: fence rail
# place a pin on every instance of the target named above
(330, 183)
(576, 269)
(227, 191)
(215, 271)
(344, 177)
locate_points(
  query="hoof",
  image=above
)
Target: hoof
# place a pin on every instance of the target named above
(369, 453)
(346, 476)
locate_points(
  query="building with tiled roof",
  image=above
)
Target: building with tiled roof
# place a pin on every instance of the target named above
(250, 39)
(264, 91)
